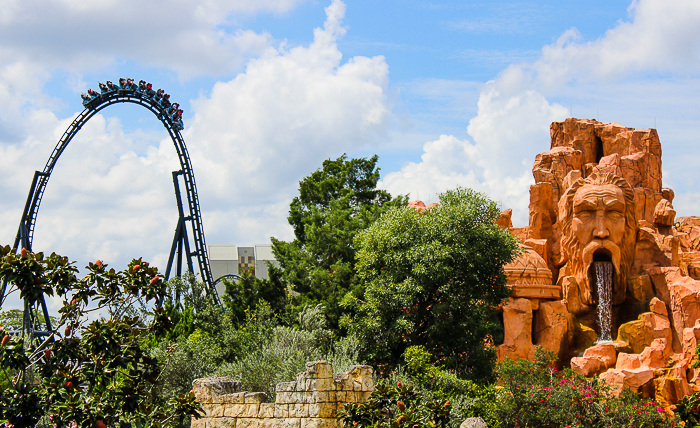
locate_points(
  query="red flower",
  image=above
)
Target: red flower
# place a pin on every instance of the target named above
(155, 278)
(23, 253)
(401, 406)
(5, 340)
(137, 267)
(100, 424)
(99, 263)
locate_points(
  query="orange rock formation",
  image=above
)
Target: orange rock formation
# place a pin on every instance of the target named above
(598, 196)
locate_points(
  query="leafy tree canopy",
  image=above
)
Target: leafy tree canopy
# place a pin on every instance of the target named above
(334, 204)
(86, 372)
(432, 279)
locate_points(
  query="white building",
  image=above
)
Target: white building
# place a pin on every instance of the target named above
(232, 259)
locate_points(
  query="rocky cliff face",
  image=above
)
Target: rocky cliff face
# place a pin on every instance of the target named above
(598, 198)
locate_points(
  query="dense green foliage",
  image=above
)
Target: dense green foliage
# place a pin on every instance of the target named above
(260, 346)
(432, 279)
(89, 373)
(334, 204)
(396, 406)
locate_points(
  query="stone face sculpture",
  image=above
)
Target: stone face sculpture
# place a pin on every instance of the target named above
(597, 217)
(598, 199)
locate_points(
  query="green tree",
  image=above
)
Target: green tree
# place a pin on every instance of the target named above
(334, 204)
(86, 373)
(432, 278)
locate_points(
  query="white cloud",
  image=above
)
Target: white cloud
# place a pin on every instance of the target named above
(191, 38)
(261, 132)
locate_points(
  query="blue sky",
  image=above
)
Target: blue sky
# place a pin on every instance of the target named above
(446, 93)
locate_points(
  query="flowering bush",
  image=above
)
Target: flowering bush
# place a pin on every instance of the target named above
(396, 406)
(86, 373)
(535, 393)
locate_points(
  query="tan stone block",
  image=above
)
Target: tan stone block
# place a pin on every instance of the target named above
(255, 397)
(286, 387)
(272, 423)
(343, 382)
(322, 410)
(281, 411)
(301, 381)
(319, 370)
(298, 410)
(266, 410)
(283, 397)
(235, 410)
(208, 390)
(213, 410)
(198, 423)
(320, 396)
(249, 423)
(297, 397)
(325, 384)
(221, 423)
(237, 398)
(341, 396)
(291, 423)
(251, 410)
(320, 423)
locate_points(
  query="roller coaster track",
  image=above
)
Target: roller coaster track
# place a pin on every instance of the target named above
(25, 233)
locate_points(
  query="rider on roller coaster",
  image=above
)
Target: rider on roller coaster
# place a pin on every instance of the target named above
(172, 110)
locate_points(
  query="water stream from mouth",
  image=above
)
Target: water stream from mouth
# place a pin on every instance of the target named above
(604, 283)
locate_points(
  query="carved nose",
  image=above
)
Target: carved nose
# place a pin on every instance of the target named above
(601, 229)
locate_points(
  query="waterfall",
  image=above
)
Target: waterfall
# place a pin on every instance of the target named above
(604, 282)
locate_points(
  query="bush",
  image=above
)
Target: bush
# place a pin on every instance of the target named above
(87, 372)
(260, 351)
(431, 279)
(535, 393)
(396, 406)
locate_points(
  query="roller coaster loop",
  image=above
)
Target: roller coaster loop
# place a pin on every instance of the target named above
(94, 105)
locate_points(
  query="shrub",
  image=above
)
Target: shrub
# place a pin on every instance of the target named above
(86, 373)
(396, 406)
(535, 393)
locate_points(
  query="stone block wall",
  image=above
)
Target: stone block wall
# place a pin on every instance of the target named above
(311, 401)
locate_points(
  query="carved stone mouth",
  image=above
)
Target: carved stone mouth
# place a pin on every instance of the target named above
(602, 250)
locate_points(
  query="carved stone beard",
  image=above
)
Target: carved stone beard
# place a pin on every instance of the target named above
(581, 268)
